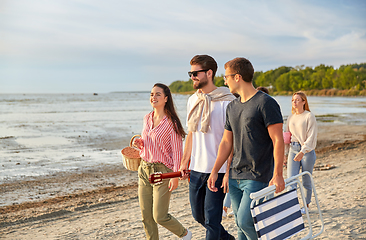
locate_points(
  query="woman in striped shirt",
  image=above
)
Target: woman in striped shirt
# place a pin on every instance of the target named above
(161, 149)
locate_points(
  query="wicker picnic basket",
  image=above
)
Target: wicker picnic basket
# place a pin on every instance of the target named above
(131, 156)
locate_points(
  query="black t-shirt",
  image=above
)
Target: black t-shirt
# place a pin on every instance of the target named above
(253, 147)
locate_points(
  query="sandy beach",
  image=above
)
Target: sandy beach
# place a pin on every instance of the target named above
(62, 207)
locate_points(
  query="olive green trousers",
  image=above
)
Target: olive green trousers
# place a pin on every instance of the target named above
(154, 202)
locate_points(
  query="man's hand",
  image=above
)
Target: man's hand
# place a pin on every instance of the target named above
(211, 182)
(183, 172)
(186, 157)
(225, 183)
(173, 184)
(279, 182)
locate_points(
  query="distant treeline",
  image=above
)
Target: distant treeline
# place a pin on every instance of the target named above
(348, 80)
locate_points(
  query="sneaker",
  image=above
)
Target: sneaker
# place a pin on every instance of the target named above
(303, 211)
(230, 214)
(224, 213)
(188, 236)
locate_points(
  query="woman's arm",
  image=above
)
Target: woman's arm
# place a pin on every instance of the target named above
(177, 149)
(139, 142)
(311, 134)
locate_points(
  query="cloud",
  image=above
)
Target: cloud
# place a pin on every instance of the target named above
(153, 41)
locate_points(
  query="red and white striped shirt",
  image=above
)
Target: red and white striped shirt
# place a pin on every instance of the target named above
(161, 143)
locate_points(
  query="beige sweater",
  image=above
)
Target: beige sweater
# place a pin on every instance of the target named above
(201, 109)
(303, 129)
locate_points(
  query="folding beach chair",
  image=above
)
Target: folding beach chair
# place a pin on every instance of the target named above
(280, 217)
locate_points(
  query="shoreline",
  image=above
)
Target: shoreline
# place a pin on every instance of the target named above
(33, 189)
(110, 210)
(36, 189)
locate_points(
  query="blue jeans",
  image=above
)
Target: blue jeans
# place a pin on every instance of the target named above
(206, 205)
(240, 190)
(306, 163)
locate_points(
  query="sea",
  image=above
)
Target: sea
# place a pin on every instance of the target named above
(43, 134)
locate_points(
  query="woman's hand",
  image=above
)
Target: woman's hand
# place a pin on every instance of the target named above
(173, 184)
(299, 156)
(138, 142)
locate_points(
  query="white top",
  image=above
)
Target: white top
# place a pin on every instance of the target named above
(303, 129)
(206, 145)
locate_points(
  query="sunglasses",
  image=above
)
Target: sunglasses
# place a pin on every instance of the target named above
(195, 73)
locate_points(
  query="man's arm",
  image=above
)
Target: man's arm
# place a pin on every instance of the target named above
(275, 132)
(225, 181)
(186, 155)
(225, 148)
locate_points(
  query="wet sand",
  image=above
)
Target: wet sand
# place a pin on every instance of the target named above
(102, 203)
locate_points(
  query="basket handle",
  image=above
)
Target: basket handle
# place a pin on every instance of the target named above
(134, 136)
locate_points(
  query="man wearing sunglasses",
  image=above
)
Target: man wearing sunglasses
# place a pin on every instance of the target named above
(206, 119)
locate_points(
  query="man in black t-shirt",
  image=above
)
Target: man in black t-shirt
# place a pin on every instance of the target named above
(253, 130)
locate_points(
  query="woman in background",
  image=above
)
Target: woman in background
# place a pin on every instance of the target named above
(302, 125)
(161, 150)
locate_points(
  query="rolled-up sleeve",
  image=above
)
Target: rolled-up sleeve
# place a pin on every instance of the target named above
(311, 134)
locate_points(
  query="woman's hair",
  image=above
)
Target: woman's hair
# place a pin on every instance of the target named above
(304, 98)
(170, 110)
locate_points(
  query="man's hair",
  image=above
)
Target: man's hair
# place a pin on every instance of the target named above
(263, 89)
(241, 66)
(206, 62)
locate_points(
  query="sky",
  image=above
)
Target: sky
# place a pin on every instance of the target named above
(87, 46)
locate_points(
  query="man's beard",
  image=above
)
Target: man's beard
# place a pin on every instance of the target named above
(203, 82)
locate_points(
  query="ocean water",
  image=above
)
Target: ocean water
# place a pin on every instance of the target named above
(41, 134)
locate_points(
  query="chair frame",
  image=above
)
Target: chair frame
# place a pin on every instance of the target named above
(270, 190)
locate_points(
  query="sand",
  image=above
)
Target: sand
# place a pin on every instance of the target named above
(103, 204)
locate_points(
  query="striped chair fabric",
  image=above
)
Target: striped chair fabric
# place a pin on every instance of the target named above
(279, 217)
